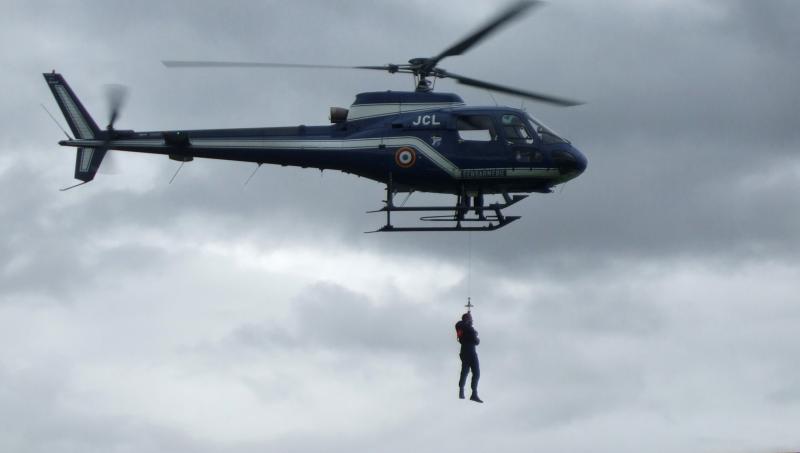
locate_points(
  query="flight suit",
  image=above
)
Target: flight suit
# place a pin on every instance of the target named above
(468, 337)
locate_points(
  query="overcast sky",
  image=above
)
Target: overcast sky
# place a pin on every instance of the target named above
(649, 305)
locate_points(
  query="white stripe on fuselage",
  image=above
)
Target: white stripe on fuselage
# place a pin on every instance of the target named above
(331, 145)
(365, 143)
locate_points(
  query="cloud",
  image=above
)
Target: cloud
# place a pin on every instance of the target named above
(650, 301)
(327, 317)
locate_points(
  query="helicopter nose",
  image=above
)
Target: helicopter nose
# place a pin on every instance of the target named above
(570, 160)
(581, 162)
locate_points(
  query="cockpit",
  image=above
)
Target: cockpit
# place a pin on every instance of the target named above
(547, 135)
(526, 130)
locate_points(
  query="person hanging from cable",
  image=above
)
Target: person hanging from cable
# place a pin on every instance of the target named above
(468, 337)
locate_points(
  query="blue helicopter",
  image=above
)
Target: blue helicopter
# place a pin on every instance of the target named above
(410, 141)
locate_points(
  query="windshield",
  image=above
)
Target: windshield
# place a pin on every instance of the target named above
(515, 129)
(545, 133)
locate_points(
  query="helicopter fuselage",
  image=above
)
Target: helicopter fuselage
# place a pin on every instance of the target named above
(427, 142)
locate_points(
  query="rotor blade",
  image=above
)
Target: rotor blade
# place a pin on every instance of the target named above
(257, 64)
(513, 11)
(116, 96)
(508, 90)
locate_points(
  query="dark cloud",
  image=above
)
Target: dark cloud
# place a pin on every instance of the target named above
(56, 247)
(35, 418)
(644, 299)
(767, 24)
(328, 317)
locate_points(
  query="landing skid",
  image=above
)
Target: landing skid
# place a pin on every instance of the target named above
(489, 217)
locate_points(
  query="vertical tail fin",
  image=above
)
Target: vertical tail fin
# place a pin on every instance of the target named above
(81, 124)
(79, 120)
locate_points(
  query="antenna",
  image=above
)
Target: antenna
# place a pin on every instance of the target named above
(252, 174)
(72, 187)
(410, 192)
(177, 171)
(55, 121)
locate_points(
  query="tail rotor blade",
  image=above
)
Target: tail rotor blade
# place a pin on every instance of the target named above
(116, 96)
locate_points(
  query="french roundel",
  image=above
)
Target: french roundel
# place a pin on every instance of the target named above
(405, 157)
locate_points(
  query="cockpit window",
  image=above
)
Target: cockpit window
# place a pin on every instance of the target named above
(545, 133)
(477, 128)
(515, 130)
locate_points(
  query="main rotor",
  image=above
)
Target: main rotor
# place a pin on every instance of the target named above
(422, 68)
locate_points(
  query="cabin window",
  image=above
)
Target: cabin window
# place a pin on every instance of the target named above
(475, 128)
(515, 130)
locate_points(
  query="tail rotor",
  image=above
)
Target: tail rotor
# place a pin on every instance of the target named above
(116, 95)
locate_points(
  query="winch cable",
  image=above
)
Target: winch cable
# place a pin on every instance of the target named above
(469, 272)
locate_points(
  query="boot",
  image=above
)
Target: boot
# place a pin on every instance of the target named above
(475, 398)
(461, 393)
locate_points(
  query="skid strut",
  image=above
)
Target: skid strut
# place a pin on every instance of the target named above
(488, 217)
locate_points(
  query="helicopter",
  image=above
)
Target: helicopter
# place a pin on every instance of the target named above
(411, 141)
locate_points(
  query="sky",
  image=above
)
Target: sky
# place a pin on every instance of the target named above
(648, 305)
